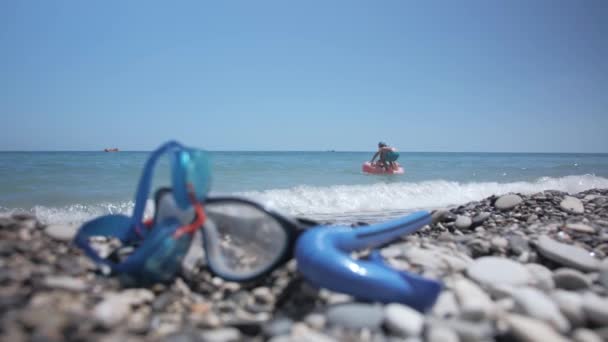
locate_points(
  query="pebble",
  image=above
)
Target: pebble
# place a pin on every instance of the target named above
(222, 335)
(603, 279)
(570, 279)
(112, 311)
(532, 330)
(572, 205)
(535, 303)
(437, 333)
(279, 326)
(65, 283)
(571, 305)
(585, 335)
(480, 218)
(61, 232)
(356, 315)
(467, 331)
(475, 304)
(566, 255)
(596, 308)
(507, 202)
(446, 305)
(518, 244)
(580, 227)
(496, 272)
(542, 277)
(463, 222)
(403, 320)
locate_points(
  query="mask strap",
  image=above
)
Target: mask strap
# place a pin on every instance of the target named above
(200, 216)
(145, 181)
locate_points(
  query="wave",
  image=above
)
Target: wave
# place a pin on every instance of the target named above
(348, 203)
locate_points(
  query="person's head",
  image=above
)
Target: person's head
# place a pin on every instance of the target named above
(381, 144)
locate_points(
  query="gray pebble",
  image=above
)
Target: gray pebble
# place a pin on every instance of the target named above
(542, 277)
(356, 315)
(571, 305)
(580, 227)
(495, 272)
(585, 335)
(603, 279)
(467, 331)
(61, 232)
(535, 303)
(446, 305)
(279, 326)
(438, 333)
(463, 222)
(507, 202)
(480, 218)
(65, 283)
(567, 255)
(570, 279)
(596, 308)
(222, 335)
(475, 304)
(572, 205)
(532, 330)
(518, 244)
(403, 320)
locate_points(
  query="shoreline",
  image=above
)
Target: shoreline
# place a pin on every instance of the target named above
(503, 261)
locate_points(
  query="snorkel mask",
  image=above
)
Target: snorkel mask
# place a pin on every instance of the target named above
(162, 242)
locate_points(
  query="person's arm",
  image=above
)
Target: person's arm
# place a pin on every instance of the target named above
(374, 157)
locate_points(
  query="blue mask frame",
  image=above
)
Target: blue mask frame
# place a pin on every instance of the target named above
(161, 248)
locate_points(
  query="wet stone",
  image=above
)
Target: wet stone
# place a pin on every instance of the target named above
(507, 202)
(463, 222)
(403, 320)
(536, 304)
(480, 218)
(532, 330)
(495, 272)
(61, 232)
(596, 308)
(570, 279)
(571, 305)
(572, 205)
(567, 255)
(356, 315)
(518, 244)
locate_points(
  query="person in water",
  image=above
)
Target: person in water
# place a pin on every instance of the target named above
(387, 156)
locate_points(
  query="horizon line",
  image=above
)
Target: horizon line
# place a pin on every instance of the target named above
(323, 151)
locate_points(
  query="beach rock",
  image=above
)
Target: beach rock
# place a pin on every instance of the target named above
(61, 232)
(467, 331)
(437, 333)
(507, 202)
(495, 272)
(517, 244)
(475, 304)
(437, 258)
(112, 311)
(403, 320)
(604, 273)
(567, 255)
(316, 321)
(480, 218)
(535, 303)
(356, 315)
(222, 335)
(572, 205)
(65, 283)
(277, 327)
(571, 305)
(580, 227)
(446, 305)
(570, 279)
(585, 335)
(462, 222)
(439, 215)
(596, 308)
(531, 330)
(542, 278)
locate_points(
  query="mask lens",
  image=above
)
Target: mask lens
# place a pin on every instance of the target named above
(242, 240)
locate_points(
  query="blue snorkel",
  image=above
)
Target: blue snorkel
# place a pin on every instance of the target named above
(323, 256)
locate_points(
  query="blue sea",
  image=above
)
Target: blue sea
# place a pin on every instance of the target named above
(71, 187)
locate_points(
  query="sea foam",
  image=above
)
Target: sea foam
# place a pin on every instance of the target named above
(349, 202)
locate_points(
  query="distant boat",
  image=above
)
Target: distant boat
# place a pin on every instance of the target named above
(110, 149)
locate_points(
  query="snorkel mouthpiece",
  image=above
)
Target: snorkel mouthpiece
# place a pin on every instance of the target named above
(323, 257)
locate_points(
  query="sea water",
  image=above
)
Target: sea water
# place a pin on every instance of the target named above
(71, 187)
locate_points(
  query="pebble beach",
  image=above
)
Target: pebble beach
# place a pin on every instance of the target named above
(514, 267)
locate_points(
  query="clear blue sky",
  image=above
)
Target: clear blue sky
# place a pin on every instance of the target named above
(522, 76)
